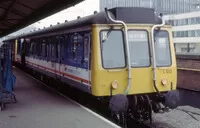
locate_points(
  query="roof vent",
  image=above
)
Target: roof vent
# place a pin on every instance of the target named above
(51, 25)
(66, 21)
(58, 22)
(78, 17)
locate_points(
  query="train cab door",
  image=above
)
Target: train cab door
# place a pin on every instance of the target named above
(140, 61)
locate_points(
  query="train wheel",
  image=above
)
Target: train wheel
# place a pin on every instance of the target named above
(140, 108)
(149, 108)
(145, 108)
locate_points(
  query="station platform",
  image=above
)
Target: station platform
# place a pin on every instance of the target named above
(39, 107)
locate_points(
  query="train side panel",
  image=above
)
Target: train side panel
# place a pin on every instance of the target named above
(69, 66)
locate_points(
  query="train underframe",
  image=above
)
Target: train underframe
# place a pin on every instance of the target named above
(141, 107)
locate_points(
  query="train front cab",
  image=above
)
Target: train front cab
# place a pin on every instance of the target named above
(110, 71)
(109, 65)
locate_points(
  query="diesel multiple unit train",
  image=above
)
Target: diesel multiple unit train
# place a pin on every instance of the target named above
(123, 55)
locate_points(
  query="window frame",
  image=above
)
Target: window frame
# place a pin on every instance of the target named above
(170, 50)
(43, 47)
(86, 36)
(125, 60)
(148, 35)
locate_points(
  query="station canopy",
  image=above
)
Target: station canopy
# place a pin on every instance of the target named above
(16, 14)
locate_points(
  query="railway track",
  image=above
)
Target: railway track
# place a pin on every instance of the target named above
(84, 99)
(189, 97)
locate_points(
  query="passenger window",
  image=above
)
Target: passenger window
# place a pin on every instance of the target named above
(38, 49)
(49, 47)
(62, 47)
(74, 45)
(44, 48)
(80, 48)
(57, 45)
(47, 51)
(50, 50)
(54, 47)
(31, 48)
(112, 47)
(58, 49)
(86, 48)
(53, 52)
(139, 48)
(35, 49)
(162, 48)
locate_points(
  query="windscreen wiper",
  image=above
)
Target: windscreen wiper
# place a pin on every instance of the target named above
(108, 34)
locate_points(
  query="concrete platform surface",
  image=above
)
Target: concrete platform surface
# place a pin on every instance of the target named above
(39, 107)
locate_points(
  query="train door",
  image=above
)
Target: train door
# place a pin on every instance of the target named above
(82, 55)
(62, 47)
(87, 55)
(140, 61)
(18, 51)
(54, 58)
(58, 63)
(15, 51)
(23, 48)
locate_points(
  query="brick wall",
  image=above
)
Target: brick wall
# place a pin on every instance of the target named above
(187, 78)
(191, 64)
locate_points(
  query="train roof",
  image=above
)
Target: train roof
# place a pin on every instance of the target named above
(130, 15)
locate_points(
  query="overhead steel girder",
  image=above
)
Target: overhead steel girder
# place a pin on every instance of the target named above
(24, 19)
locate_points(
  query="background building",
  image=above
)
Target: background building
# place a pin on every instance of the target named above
(184, 16)
(186, 31)
(164, 6)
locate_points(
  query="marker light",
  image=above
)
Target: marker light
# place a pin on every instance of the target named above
(115, 84)
(164, 81)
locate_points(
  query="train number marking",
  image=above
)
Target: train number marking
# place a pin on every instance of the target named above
(167, 71)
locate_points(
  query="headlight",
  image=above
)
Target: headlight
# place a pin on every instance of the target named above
(115, 84)
(164, 82)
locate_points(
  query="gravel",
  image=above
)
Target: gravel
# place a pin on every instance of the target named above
(181, 117)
